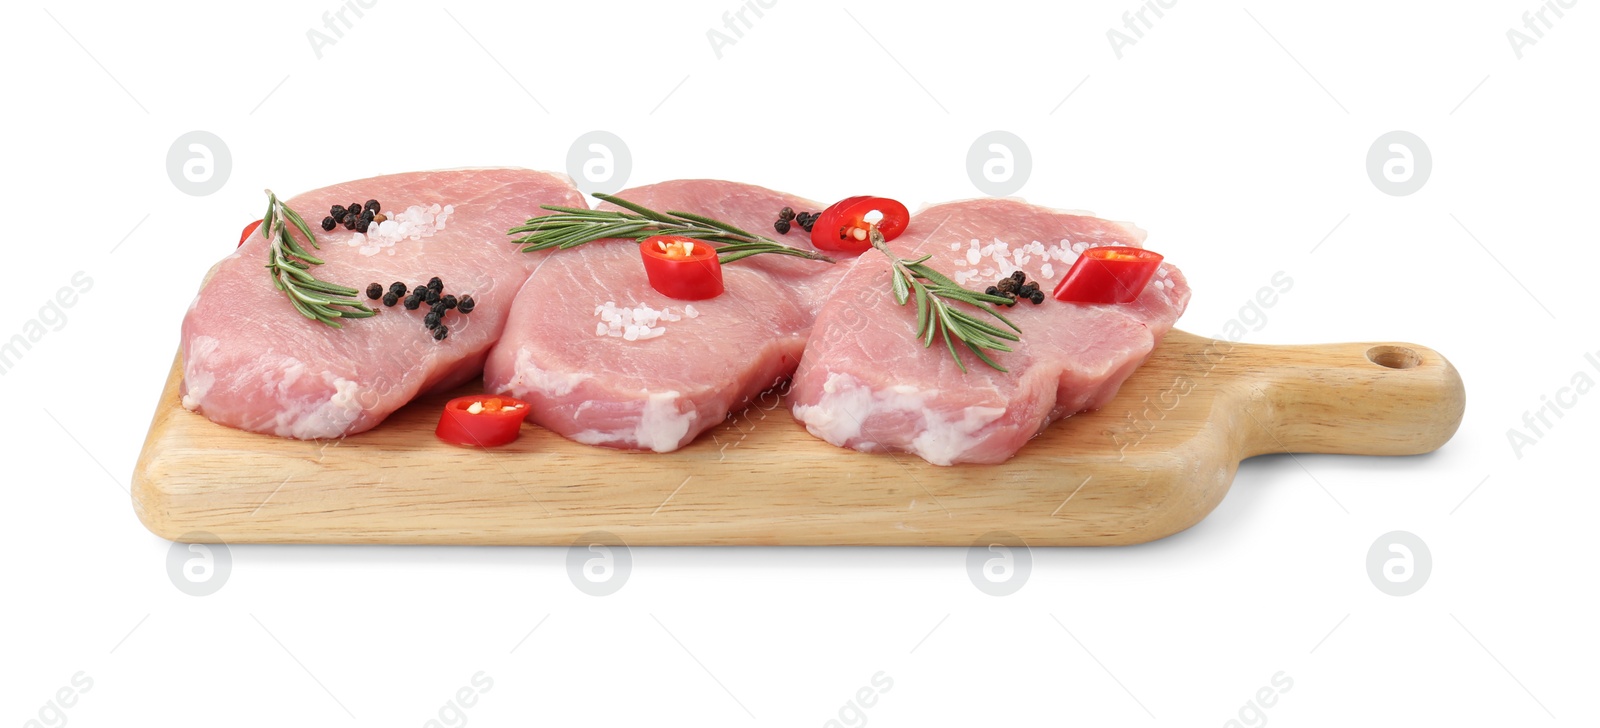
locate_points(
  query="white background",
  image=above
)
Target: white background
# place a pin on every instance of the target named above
(1237, 135)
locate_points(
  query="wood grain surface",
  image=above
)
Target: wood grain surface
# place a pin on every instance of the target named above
(1152, 463)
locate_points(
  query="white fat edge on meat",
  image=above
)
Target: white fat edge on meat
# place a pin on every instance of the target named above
(300, 418)
(331, 417)
(846, 403)
(660, 427)
(528, 377)
(197, 379)
(311, 418)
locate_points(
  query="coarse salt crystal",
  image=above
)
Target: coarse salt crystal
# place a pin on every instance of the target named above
(1047, 270)
(691, 311)
(973, 256)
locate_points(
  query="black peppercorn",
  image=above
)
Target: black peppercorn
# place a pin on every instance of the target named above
(1006, 285)
(991, 291)
(373, 207)
(389, 299)
(337, 211)
(440, 331)
(350, 221)
(436, 284)
(412, 302)
(782, 226)
(431, 295)
(1019, 277)
(363, 225)
(328, 223)
(397, 288)
(375, 291)
(1038, 297)
(466, 304)
(355, 209)
(787, 213)
(449, 301)
(432, 319)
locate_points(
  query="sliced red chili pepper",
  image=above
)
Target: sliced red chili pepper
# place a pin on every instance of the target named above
(481, 420)
(843, 226)
(682, 268)
(1111, 274)
(247, 230)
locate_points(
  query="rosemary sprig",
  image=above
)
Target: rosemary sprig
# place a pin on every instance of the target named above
(934, 293)
(288, 262)
(571, 227)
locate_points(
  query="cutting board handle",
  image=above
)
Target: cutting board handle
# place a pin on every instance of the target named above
(1374, 398)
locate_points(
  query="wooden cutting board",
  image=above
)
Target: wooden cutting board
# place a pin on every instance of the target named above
(1152, 463)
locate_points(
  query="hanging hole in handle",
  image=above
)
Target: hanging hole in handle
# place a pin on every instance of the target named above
(1394, 357)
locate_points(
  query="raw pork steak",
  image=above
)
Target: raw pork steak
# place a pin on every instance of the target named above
(867, 383)
(251, 361)
(696, 363)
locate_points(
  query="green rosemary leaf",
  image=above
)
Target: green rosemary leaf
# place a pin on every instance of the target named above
(936, 295)
(288, 265)
(570, 227)
(300, 223)
(640, 209)
(714, 223)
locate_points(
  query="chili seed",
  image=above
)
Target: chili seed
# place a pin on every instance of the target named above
(375, 291)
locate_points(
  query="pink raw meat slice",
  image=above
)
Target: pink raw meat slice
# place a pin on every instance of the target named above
(251, 361)
(659, 393)
(867, 383)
